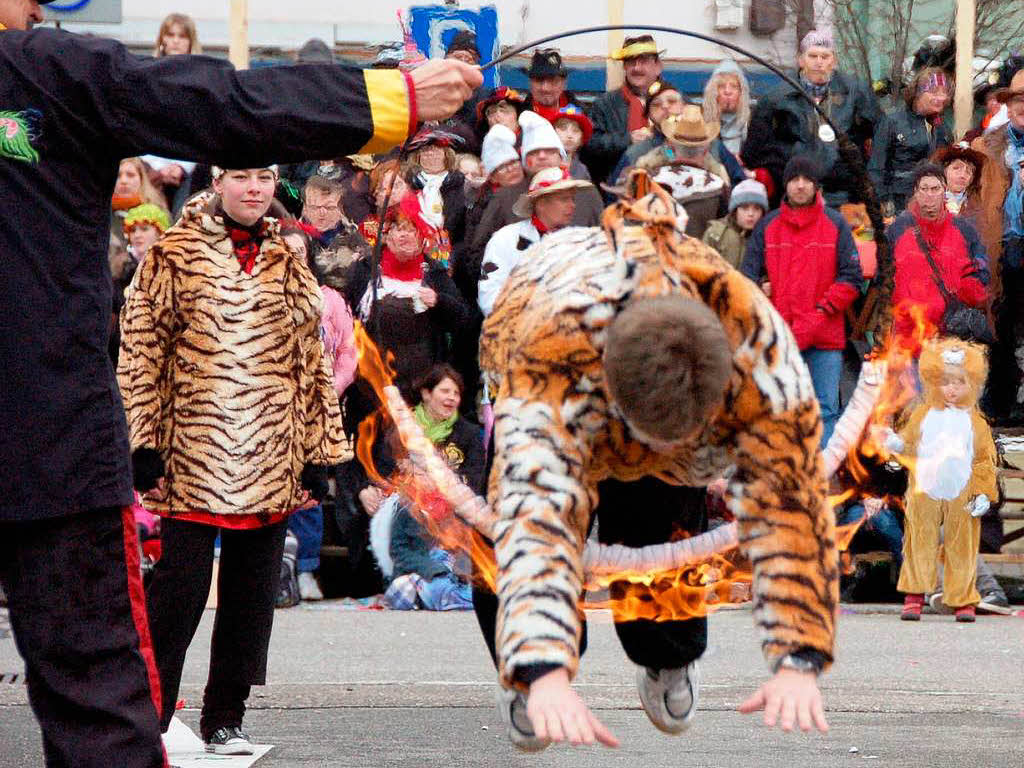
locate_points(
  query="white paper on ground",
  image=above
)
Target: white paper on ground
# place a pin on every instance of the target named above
(186, 750)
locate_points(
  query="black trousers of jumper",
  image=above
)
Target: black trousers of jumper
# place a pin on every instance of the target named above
(247, 583)
(637, 513)
(77, 610)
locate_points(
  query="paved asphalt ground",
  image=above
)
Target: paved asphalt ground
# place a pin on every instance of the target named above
(363, 688)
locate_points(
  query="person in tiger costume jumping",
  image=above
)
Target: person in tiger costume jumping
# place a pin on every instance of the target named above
(636, 353)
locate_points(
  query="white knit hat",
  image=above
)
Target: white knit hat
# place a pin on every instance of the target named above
(538, 133)
(748, 191)
(499, 147)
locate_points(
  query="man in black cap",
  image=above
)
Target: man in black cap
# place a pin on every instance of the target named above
(548, 77)
(618, 116)
(804, 256)
(73, 106)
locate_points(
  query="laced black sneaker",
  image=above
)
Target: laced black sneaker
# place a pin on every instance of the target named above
(229, 740)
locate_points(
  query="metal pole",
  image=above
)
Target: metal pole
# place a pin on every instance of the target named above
(238, 48)
(614, 76)
(963, 105)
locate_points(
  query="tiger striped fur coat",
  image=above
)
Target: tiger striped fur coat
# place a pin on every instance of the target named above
(224, 373)
(558, 432)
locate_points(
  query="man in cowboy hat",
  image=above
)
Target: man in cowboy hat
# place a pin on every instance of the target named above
(784, 124)
(685, 165)
(546, 207)
(1001, 226)
(618, 116)
(548, 77)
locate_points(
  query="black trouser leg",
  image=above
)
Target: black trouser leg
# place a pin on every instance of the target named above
(176, 597)
(649, 511)
(250, 572)
(74, 593)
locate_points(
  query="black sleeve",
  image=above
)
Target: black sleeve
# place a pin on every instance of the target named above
(203, 109)
(470, 441)
(451, 311)
(453, 195)
(356, 280)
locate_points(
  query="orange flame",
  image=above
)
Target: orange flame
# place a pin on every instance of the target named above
(425, 502)
(676, 595)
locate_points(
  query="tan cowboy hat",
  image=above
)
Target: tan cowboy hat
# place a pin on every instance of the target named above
(545, 182)
(1016, 88)
(689, 129)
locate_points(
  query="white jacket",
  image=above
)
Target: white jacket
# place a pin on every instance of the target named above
(504, 251)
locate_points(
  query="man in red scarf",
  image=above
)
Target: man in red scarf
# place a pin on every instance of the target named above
(548, 78)
(618, 116)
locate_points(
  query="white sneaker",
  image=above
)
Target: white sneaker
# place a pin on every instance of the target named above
(512, 708)
(308, 588)
(669, 696)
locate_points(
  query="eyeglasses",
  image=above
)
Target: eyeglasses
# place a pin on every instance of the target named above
(322, 208)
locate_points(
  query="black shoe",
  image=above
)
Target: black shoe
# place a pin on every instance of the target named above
(994, 602)
(229, 740)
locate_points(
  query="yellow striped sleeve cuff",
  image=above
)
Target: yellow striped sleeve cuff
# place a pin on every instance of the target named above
(389, 104)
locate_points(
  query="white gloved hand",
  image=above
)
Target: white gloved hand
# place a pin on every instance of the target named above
(979, 505)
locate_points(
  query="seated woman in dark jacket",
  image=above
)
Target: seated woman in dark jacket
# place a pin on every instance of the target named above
(399, 541)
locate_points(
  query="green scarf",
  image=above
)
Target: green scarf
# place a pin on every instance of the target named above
(436, 431)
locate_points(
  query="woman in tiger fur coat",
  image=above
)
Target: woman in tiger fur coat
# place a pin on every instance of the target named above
(233, 419)
(584, 394)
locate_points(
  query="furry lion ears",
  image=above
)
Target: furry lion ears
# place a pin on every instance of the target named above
(939, 354)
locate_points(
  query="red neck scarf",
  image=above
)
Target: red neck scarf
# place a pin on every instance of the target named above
(245, 241)
(636, 109)
(550, 113)
(541, 227)
(406, 271)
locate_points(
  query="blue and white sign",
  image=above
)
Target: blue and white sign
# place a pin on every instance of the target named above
(98, 11)
(434, 26)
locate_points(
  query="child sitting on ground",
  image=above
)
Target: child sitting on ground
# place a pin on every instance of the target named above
(952, 462)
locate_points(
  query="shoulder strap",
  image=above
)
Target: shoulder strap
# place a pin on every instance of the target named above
(926, 249)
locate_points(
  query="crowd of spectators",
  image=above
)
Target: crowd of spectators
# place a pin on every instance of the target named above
(762, 182)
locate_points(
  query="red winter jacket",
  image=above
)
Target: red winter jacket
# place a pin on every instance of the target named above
(809, 257)
(960, 257)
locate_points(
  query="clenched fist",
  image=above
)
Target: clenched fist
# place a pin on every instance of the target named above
(442, 85)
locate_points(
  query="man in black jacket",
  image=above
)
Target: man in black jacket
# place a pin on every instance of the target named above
(618, 116)
(70, 107)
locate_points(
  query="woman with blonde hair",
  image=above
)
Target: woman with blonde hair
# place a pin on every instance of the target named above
(727, 101)
(177, 35)
(133, 188)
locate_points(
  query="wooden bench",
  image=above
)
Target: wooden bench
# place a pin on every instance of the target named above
(1010, 497)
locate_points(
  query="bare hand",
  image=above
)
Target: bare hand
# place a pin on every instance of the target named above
(442, 85)
(428, 296)
(371, 498)
(790, 698)
(559, 714)
(640, 134)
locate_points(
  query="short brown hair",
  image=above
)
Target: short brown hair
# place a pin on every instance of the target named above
(437, 373)
(381, 170)
(327, 186)
(667, 361)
